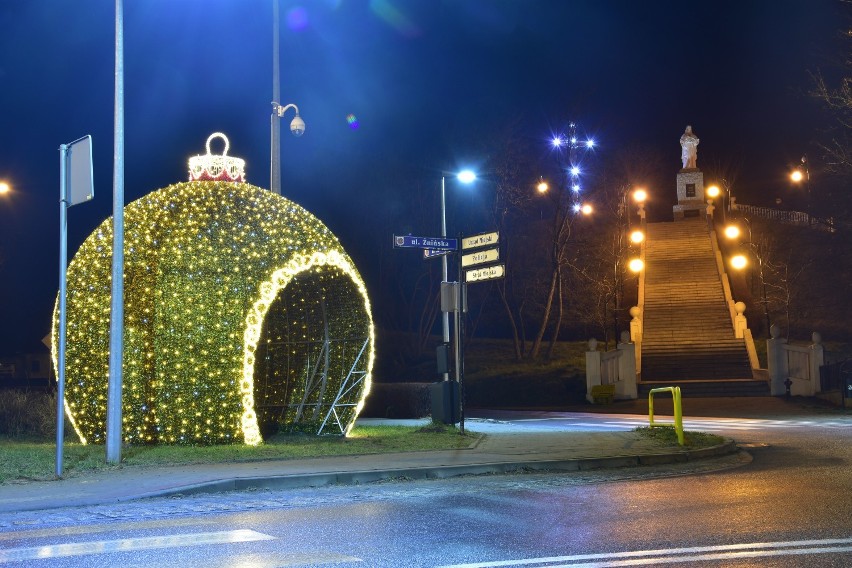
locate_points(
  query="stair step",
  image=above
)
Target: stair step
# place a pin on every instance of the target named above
(687, 328)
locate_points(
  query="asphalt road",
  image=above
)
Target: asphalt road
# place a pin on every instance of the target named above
(787, 504)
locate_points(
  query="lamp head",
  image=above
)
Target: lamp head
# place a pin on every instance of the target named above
(466, 176)
(732, 231)
(636, 265)
(637, 236)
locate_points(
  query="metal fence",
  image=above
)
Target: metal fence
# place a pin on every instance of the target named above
(832, 376)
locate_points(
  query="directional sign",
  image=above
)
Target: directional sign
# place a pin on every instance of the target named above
(434, 253)
(477, 241)
(481, 257)
(487, 273)
(436, 243)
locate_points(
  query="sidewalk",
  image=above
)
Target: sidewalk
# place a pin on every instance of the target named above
(506, 447)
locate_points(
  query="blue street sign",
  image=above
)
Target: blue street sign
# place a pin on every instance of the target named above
(434, 243)
(433, 253)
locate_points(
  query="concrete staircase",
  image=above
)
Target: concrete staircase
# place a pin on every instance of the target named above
(688, 336)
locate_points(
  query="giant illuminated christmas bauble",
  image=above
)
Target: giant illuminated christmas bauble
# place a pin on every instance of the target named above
(242, 315)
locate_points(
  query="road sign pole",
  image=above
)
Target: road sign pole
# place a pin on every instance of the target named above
(63, 264)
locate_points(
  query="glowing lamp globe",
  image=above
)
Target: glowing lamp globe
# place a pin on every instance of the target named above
(732, 232)
(636, 265)
(243, 316)
(739, 261)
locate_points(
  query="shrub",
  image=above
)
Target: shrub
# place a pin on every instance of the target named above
(28, 414)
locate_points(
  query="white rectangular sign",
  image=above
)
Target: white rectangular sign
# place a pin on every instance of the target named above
(81, 186)
(483, 240)
(481, 257)
(487, 273)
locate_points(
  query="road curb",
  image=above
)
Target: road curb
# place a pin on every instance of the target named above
(371, 476)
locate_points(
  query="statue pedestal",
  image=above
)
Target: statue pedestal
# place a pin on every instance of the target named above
(690, 194)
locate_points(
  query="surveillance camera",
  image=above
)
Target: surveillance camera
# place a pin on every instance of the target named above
(297, 127)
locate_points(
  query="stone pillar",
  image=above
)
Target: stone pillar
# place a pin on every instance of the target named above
(635, 324)
(776, 361)
(625, 388)
(636, 335)
(817, 359)
(593, 368)
(740, 323)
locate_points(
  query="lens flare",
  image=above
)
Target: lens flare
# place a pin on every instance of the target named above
(353, 121)
(297, 19)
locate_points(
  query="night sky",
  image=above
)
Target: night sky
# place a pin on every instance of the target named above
(420, 76)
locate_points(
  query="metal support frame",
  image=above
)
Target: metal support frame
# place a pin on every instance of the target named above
(352, 380)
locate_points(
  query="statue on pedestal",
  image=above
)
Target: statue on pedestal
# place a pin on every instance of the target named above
(689, 148)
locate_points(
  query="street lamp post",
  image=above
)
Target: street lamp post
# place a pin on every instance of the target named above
(466, 177)
(739, 262)
(635, 237)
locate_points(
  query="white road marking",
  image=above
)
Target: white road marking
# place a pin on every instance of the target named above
(672, 555)
(264, 560)
(128, 544)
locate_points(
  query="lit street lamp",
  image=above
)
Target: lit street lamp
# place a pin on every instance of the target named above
(465, 176)
(636, 265)
(801, 174)
(723, 189)
(5, 188)
(636, 237)
(573, 144)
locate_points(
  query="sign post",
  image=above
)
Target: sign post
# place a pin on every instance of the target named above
(475, 258)
(76, 186)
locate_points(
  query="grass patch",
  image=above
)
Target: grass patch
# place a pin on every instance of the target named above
(667, 436)
(33, 461)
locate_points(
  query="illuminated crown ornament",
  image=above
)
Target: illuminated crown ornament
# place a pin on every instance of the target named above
(217, 167)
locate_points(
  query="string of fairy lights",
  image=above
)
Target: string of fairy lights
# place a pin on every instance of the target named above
(205, 264)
